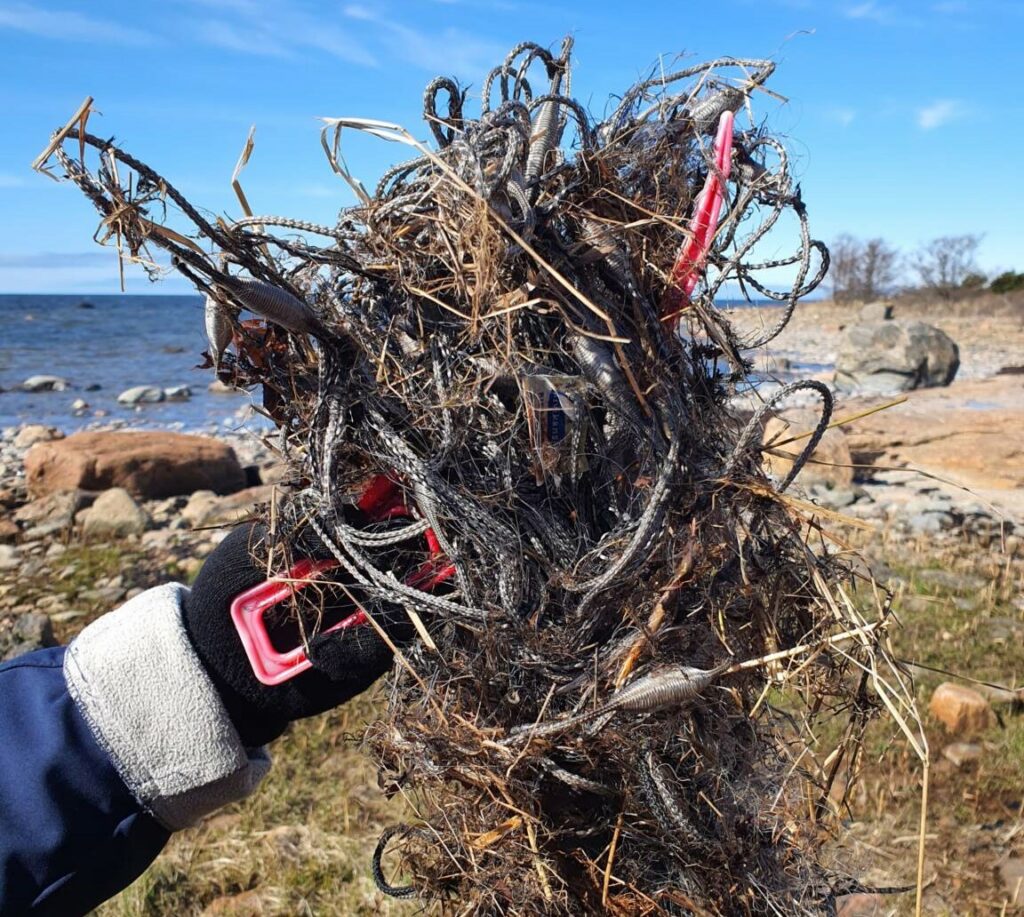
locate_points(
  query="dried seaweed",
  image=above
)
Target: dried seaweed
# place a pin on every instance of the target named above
(497, 328)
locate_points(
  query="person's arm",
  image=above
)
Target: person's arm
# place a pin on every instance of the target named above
(105, 748)
(148, 721)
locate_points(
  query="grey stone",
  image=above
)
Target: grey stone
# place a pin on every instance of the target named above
(895, 356)
(177, 393)
(875, 312)
(141, 394)
(954, 582)
(44, 383)
(10, 557)
(31, 631)
(839, 498)
(275, 471)
(927, 503)
(200, 505)
(1012, 874)
(206, 508)
(1002, 630)
(988, 528)
(114, 514)
(973, 509)
(860, 905)
(33, 433)
(961, 753)
(111, 595)
(929, 523)
(57, 508)
(48, 602)
(157, 538)
(43, 531)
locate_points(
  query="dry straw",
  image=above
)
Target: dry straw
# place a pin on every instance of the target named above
(486, 326)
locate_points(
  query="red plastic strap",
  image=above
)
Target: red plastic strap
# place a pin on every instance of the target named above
(693, 256)
(381, 500)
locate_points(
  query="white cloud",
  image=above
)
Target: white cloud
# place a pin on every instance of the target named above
(356, 11)
(451, 50)
(242, 7)
(363, 35)
(68, 25)
(320, 191)
(844, 117)
(939, 113)
(270, 29)
(872, 12)
(239, 38)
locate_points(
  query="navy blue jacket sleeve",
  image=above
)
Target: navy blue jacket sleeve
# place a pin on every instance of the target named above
(71, 832)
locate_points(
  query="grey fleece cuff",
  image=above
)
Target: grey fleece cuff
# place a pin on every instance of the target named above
(154, 710)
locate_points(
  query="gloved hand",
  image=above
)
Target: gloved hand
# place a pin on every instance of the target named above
(345, 663)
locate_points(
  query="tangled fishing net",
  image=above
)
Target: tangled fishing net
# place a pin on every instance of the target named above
(630, 631)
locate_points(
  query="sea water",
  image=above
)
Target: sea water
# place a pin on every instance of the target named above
(103, 345)
(106, 344)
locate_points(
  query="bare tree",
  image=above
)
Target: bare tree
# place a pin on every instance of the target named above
(879, 266)
(845, 254)
(945, 263)
(862, 270)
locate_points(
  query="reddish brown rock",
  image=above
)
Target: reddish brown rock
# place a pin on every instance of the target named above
(970, 433)
(246, 904)
(149, 465)
(860, 905)
(961, 710)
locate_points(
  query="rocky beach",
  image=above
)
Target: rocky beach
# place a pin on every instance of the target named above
(929, 490)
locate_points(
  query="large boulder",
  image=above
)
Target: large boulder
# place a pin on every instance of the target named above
(895, 356)
(149, 465)
(830, 462)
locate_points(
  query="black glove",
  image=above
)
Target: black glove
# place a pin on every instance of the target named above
(345, 662)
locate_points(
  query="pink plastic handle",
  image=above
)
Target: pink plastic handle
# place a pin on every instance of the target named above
(693, 256)
(269, 665)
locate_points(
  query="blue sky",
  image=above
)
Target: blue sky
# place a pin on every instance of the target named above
(907, 119)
